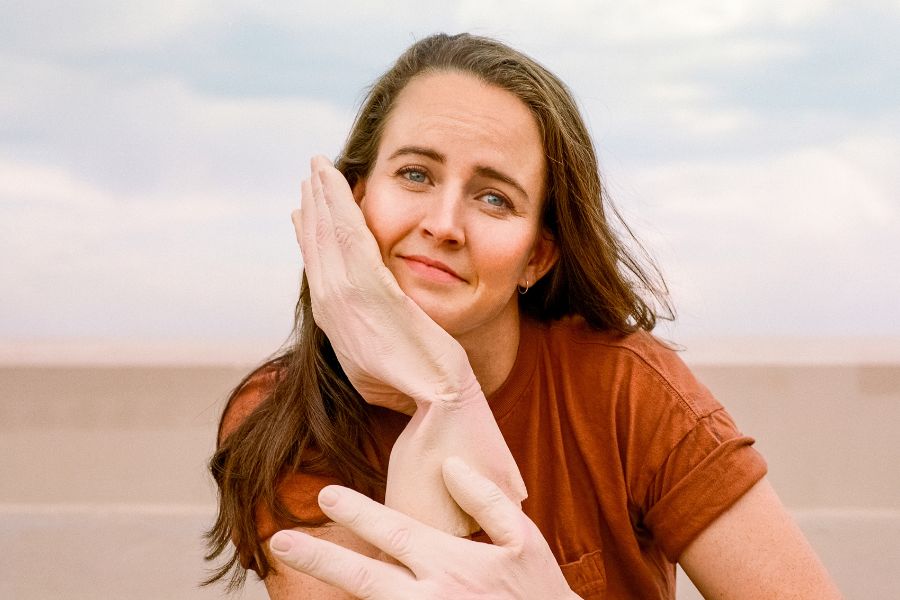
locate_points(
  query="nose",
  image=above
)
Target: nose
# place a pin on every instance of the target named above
(443, 218)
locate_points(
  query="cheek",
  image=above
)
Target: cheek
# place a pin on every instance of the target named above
(503, 258)
(384, 220)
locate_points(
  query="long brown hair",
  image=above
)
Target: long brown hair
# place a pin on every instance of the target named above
(313, 420)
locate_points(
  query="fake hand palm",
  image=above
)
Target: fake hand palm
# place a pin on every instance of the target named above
(396, 356)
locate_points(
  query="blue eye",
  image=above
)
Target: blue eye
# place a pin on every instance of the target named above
(415, 175)
(495, 200)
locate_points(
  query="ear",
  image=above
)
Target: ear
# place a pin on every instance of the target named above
(544, 255)
(359, 190)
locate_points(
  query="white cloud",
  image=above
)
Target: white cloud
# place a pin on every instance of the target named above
(88, 263)
(818, 192)
(610, 21)
(146, 204)
(99, 25)
(786, 244)
(141, 207)
(146, 174)
(154, 132)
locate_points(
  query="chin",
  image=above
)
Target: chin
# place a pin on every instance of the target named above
(440, 312)
(447, 321)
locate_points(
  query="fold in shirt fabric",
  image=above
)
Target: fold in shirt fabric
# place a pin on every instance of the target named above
(626, 456)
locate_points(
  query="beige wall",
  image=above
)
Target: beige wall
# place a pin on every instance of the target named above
(103, 489)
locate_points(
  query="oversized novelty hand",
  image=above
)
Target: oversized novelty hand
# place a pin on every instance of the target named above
(519, 565)
(385, 343)
(396, 356)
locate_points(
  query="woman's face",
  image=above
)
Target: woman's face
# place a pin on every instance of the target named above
(454, 200)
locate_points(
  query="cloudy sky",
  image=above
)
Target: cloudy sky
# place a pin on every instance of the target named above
(150, 155)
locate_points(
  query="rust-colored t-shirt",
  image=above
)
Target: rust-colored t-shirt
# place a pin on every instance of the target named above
(626, 457)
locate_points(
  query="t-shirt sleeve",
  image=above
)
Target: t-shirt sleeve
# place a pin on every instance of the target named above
(693, 462)
(704, 475)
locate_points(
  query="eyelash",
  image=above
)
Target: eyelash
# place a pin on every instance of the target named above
(507, 205)
(412, 169)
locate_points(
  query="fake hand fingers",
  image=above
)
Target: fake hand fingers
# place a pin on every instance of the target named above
(439, 565)
(319, 230)
(304, 220)
(394, 533)
(485, 502)
(356, 574)
(351, 236)
(347, 258)
(525, 560)
(338, 197)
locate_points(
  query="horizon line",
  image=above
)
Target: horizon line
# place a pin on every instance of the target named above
(700, 350)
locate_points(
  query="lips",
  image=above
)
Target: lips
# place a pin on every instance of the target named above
(434, 264)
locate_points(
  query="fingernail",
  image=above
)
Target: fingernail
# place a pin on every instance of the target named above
(281, 542)
(328, 497)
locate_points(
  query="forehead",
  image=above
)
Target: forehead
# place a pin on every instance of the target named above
(465, 119)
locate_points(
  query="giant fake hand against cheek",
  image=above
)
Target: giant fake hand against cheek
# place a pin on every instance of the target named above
(397, 357)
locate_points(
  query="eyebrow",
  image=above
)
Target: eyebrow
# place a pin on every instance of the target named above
(481, 170)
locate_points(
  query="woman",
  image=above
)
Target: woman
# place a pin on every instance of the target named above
(480, 270)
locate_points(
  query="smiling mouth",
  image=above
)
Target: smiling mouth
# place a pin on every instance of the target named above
(431, 269)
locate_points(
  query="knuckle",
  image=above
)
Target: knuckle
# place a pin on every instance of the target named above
(354, 289)
(399, 541)
(493, 496)
(520, 534)
(356, 520)
(517, 549)
(322, 231)
(361, 581)
(307, 238)
(343, 236)
(311, 561)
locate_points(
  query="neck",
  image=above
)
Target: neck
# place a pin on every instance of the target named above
(492, 349)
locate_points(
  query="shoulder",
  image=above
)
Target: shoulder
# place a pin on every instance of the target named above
(638, 365)
(255, 388)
